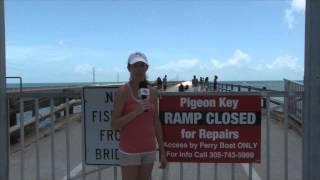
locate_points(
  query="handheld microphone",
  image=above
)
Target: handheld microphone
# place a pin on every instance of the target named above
(143, 91)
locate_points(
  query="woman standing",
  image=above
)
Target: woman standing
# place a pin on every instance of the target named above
(138, 122)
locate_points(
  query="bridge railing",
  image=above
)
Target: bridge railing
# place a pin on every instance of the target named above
(294, 102)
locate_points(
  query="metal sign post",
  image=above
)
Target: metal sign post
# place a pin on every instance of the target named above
(4, 140)
(311, 121)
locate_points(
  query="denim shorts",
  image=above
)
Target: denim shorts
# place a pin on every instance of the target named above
(130, 159)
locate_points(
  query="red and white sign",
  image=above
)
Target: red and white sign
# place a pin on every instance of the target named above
(219, 129)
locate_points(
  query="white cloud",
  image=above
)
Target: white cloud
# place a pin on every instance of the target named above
(290, 18)
(21, 52)
(88, 68)
(285, 62)
(118, 69)
(61, 42)
(183, 65)
(283, 67)
(58, 58)
(240, 66)
(43, 53)
(83, 68)
(297, 7)
(49, 53)
(239, 58)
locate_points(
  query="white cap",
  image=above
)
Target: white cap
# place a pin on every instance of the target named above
(137, 57)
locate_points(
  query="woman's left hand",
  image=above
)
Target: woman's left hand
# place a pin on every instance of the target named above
(163, 160)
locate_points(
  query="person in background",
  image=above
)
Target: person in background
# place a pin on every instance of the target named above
(138, 122)
(206, 83)
(159, 83)
(164, 82)
(195, 83)
(215, 83)
(181, 87)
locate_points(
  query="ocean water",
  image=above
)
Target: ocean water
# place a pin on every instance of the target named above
(39, 85)
(44, 122)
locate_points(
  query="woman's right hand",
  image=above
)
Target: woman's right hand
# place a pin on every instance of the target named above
(143, 105)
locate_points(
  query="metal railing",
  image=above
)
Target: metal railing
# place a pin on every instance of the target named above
(20, 81)
(294, 102)
(68, 168)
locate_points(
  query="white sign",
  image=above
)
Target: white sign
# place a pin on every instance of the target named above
(100, 142)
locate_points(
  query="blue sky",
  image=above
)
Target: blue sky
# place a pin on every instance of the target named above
(61, 41)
